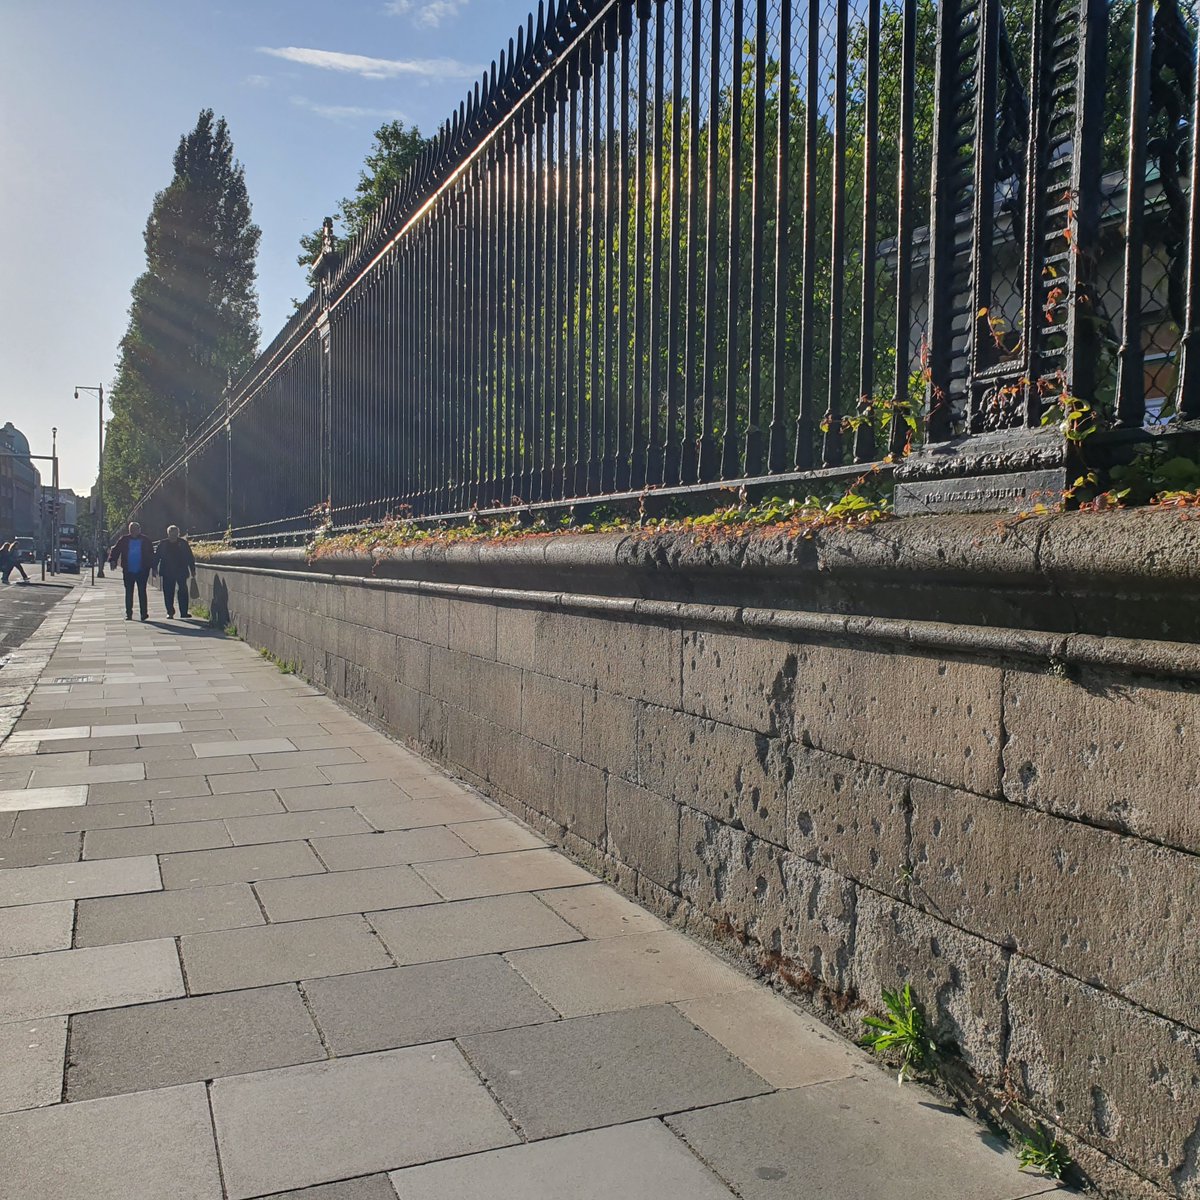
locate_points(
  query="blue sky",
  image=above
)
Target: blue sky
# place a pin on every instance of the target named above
(94, 95)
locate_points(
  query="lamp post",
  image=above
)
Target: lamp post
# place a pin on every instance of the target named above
(99, 530)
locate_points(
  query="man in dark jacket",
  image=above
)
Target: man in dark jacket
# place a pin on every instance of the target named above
(175, 563)
(135, 552)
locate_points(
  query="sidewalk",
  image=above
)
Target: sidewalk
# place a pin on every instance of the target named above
(248, 945)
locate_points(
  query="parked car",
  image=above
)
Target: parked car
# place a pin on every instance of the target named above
(68, 561)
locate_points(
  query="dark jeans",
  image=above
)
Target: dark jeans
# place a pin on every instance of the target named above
(16, 566)
(139, 579)
(171, 585)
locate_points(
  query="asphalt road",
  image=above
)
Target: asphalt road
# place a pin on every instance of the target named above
(23, 607)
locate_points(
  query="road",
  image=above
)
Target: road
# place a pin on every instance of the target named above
(22, 608)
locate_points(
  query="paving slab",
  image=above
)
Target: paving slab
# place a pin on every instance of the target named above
(239, 864)
(393, 1109)
(470, 927)
(33, 1053)
(413, 814)
(155, 839)
(50, 776)
(147, 754)
(69, 981)
(72, 881)
(786, 1047)
(215, 808)
(626, 972)
(367, 1187)
(495, 874)
(36, 850)
(599, 912)
(146, 1146)
(280, 760)
(247, 958)
(189, 767)
(340, 795)
(497, 836)
(568, 1076)
(853, 1139)
(29, 798)
(149, 789)
(247, 831)
(390, 849)
(90, 816)
(36, 928)
(379, 1010)
(184, 1041)
(642, 1161)
(111, 919)
(234, 748)
(253, 781)
(343, 892)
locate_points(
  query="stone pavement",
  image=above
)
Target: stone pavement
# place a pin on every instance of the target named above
(250, 947)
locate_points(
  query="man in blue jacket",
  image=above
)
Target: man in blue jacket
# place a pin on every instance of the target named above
(135, 552)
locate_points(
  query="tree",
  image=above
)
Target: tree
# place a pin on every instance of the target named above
(395, 149)
(193, 319)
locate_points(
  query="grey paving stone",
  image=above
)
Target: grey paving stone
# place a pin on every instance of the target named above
(155, 839)
(72, 881)
(592, 1071)
(470, 927)
(339, 795)
(213, 808)
(30, 761)
(495, 874)
(88, 816)
(368, 1187)
(68, 981)
(149, 789)
(247, 958)
(247, 831)
(392, 1110)
(433, 1002)
(498, 836)
(234, 747)
(187, 767)
(147, 1146)
(305, 758)
(239, 864)
(631, 1162)
(852, 1139)
(184, 1041)
(27, 799)
(134, 753)
(626, 972)
(36, 928)
(172, 913)
(599, 912)
(37, 850)
(343, 892)
(32, 1053)
(48, 777)
(253, 781)
(390, 849)
(413, 814)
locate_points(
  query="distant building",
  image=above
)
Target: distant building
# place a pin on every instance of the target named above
(20, 485)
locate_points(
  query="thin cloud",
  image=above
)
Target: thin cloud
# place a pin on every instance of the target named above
(257, 81)
(373, 68)
(429, 13)
(347, 112)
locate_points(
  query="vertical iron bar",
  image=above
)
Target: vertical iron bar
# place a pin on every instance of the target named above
(898, 429)
(692, 380)
(655, 439)
(831, 453)
(733, 311)
(573, 308)
(612, 352)
(808, 279)
(1189, 353)
(708, 466)
(599, 234)
(864, 434)
(777, 442)
(625, 415)
(752, 455)
(676, 372)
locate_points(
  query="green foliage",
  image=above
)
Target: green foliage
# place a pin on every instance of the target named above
(901, 1032)
(393, 152)
(286, 665)
(193, 319)
(1041, 1152)
(1157, 473)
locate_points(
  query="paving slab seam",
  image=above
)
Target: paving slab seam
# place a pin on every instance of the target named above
(312, 1016)
(487, 1087)
(212, 1124)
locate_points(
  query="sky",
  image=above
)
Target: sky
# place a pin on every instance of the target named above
(94, 96)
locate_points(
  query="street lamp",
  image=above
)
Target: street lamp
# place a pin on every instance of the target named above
(99, 530)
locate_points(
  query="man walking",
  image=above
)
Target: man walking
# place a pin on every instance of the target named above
(135, 553)
(175, 563)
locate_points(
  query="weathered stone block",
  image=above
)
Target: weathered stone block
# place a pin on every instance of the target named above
(552, 712)
(492, 690)
(433, 725)
(1121, 1079)
(1105, 908)
(1112, 750)
(469, 741)
(848, 816)
(740, 680)
(515, 631)
(401, 608)
(580, 799)
(643, 831)
(935, 717)
(473, 628)
(755, 891)
(366, 605)
(433, 620)
(732, 774)
(958, 979)
(412, 663)
(620, 656)
(610, 733)
(526, 770)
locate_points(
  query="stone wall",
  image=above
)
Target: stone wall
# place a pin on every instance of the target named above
(939, 751)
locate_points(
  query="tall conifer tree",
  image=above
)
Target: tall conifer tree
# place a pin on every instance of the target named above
(193, 319)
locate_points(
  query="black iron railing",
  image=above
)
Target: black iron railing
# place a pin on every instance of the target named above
(672, 246)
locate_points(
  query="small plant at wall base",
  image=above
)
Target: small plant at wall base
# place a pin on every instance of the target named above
(901, 1032)
(1040, 1152)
